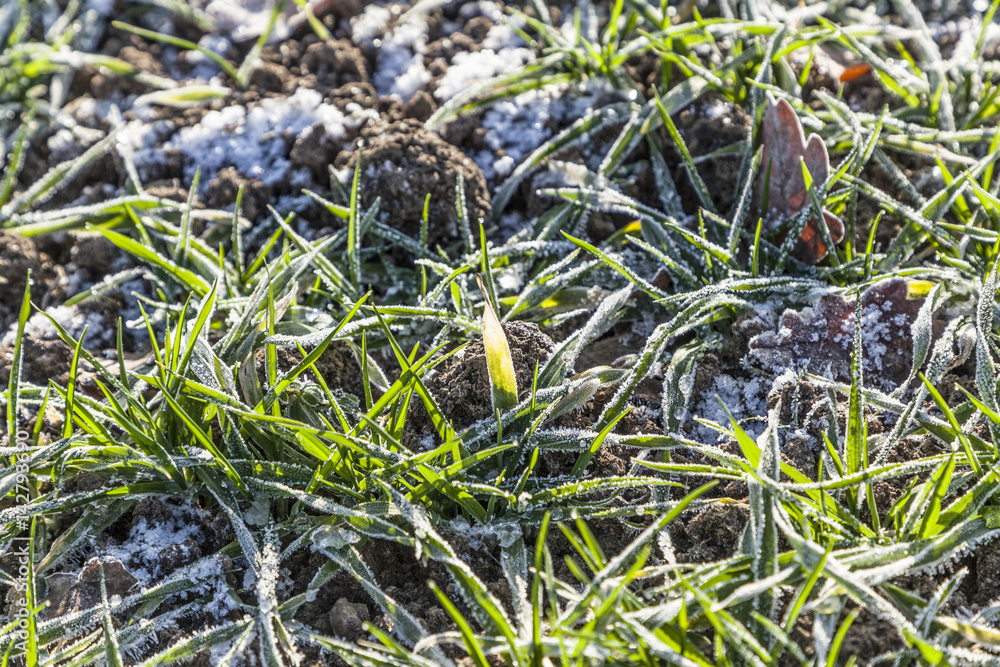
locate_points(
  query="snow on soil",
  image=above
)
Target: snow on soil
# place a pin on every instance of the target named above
(141, 551)
(255, 140)
(519, 125)
(152, 544)
(203, 67)
(401, 72)
(246, 19)
(514, 127)
(473, 67)
(746, 400)
(503, 51)
(70, 318)
(101, 330)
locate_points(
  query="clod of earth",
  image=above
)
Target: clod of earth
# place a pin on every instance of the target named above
(338, 365)
(18, 255)
(402, 163)
(462, 386)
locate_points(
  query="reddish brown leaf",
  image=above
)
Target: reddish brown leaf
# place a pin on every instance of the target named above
(783, 146)
(855, 72)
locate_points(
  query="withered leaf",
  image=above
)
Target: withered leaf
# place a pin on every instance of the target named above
(784, 144)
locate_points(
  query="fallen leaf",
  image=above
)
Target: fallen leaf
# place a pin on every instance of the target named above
(855, 72)
(784, 145)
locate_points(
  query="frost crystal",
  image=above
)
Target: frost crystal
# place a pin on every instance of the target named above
(820, 338)
(369, 25)
(746, 400)
(269, 568)
(471, 67)
(246, 19)
(255, 140)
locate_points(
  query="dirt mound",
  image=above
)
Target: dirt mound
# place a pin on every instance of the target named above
(462, 386)
(402, 163)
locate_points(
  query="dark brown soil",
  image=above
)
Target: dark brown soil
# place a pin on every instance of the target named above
(711, 534)
(462, 385)
(867, 638)
(102, 84)
(340, 369)
(402, 163)
(707, 126)
(43, 360)
(18, 256)
(222, 191)
(332, 64)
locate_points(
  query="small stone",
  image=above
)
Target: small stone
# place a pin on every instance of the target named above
(68, 596)
(346, 618)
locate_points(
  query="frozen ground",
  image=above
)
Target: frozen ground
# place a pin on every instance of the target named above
(309, 112)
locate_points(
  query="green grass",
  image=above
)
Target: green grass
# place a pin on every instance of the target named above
(329, 470)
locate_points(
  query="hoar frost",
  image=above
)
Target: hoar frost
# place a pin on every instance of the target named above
(820, 338)
(142, 552)
(521, 124)
(746, 400)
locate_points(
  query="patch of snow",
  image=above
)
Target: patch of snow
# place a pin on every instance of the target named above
(203, 67)
(370, 25)
(64, 145)
(746, 400)
(70, 318)
(487, 8)
(519, 125)
(511, 279)
(400, 70)
(141, 139)
(255, 140)
(243, 20)
(209, 572)
(141, 551)
(471, 67)
(502, 36)
(427, 441)
(258, 512)
(503, 166)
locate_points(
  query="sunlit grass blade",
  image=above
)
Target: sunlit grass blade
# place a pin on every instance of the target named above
(503, 380)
